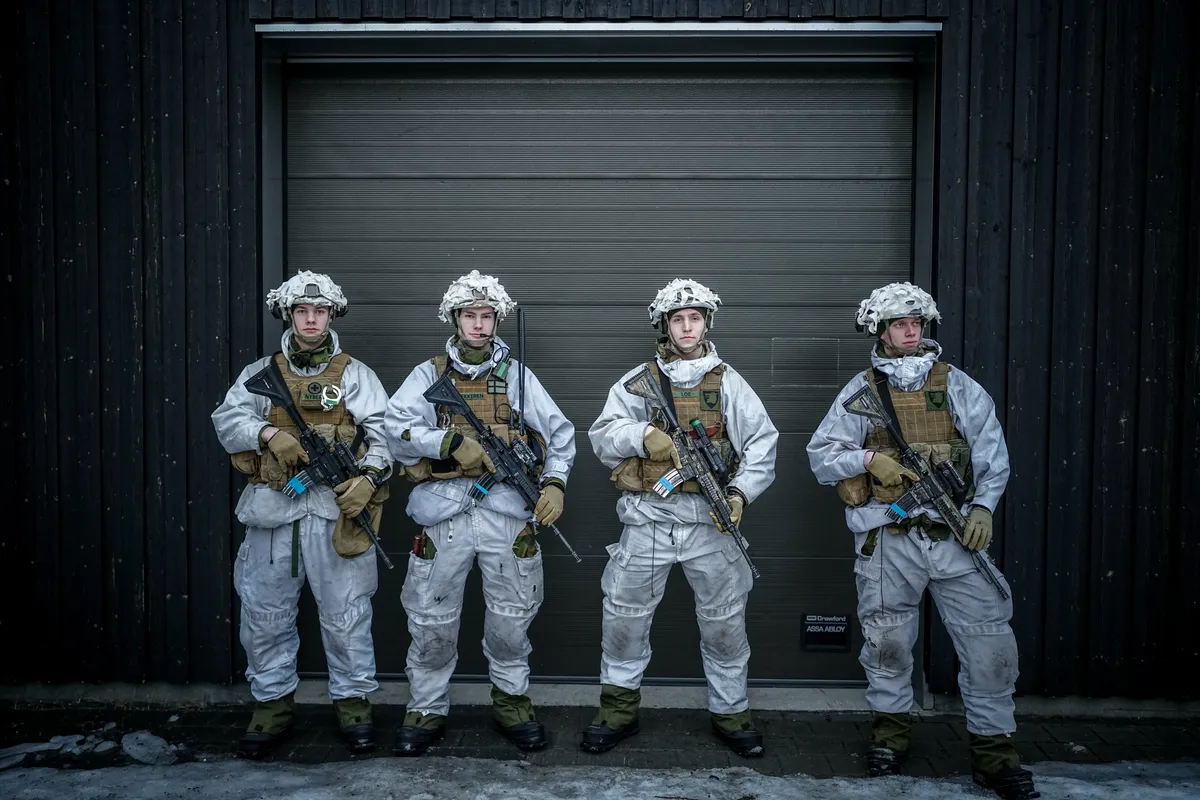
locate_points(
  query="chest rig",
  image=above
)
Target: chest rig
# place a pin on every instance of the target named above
(928, 426)
(487, 397)
(702, 402)
(319, 401)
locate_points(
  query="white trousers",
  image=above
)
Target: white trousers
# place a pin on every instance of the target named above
(433, 600)
(343, 587)
(633, 584)
(890, 586)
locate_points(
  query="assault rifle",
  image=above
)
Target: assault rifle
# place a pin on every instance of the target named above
(940, 486)
(510, 461)
(328, 464)
(699, 458)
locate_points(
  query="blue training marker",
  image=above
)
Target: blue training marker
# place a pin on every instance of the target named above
(297, 485)
(480, 488)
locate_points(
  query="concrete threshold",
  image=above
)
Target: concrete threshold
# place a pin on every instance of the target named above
(829, 700)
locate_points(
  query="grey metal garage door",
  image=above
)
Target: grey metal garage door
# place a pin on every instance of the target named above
(787, 189)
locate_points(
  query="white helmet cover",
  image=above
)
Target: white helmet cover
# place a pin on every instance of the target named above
(474, 289)
(307, 287)
(895, 301)
(682, 293)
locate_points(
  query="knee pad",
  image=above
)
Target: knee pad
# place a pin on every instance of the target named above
(989, 658)
(723, 631)
(345, 620)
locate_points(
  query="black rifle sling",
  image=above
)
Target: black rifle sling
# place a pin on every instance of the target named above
(665, 384)
(885, 398)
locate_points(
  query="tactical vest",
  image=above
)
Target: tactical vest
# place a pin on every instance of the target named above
(487, 397)
(703, 402)
(927, 425)
(329, 420)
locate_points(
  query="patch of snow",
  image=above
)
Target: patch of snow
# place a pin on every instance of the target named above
(476, 779)
(146, 748)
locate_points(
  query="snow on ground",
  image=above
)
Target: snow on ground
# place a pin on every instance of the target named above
(475, 779)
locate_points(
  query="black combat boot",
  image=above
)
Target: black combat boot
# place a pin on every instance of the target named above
(418, 732)
(996, 765)
(890, 738)
(270, 725)
(737, 731)
(354, 719)
(617, 719)
(513, 716)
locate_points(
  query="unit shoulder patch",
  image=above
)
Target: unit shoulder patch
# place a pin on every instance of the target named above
(936, 400)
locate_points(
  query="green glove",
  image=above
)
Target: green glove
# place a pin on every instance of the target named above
(549, 505)
(737, 504)
(353, 495)
(470, 455)
(287, 450)
(889, 471)
(660, 447)
(978, 533)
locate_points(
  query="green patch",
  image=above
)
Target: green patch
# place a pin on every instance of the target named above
(710, 400)
(497, 386)
(687, 393)
(311, 393)
(936, 400)
(473, 396)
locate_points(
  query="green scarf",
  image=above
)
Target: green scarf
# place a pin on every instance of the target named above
(470, 355)
(306, 359)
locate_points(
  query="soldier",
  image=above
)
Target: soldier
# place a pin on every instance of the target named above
(660, 532)
(442, 454)
(946, 416)
(313, 534)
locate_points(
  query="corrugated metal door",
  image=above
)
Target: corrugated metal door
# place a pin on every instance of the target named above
(787, 189)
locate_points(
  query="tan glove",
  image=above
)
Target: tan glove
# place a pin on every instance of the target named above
(978, 533)
(549, 505)
(287, 450)
(660, 447)
(353, 495)
(471, 455)
(736, 506)
(889, 471)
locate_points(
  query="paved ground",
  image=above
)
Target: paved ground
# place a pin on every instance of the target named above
(818, 744)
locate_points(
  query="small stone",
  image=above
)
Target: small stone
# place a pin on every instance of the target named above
(173, 718)
(146, 748)
(104, 747)
(13, 761)
(29, 747)
(66, 741)
(108, 726)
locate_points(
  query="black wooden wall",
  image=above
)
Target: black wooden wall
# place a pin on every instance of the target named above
(1067, 272)
(136, 276)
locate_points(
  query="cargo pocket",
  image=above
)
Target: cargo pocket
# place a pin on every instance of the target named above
(529, 579)
(415, 593)
(866, 548)
(744, 581)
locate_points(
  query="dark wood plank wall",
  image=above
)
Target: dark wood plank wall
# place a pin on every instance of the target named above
(1066, 271)
(133, 238)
